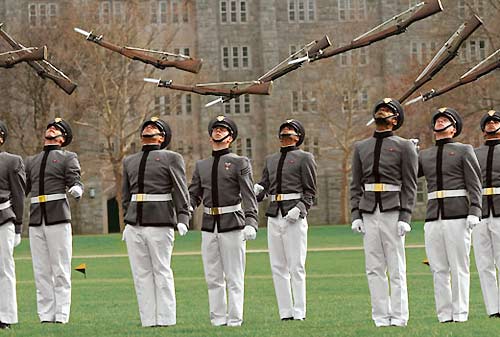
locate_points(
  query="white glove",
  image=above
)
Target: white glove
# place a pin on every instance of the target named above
(257, 189)
(293, 214)
(76, 191)
(358, 226)
(403, 228)
(472, 221)
(249, 233)
(182, 228)
(17, 240)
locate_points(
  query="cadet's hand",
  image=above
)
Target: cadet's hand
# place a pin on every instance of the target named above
(358, 226)
(403, 228)
(17, 240)
(257, 189)
(76, 191)
(182, 228)
(472, 221)
(293, 214)
(249, 233)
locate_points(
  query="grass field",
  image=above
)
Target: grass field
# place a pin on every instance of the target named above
(104, 304)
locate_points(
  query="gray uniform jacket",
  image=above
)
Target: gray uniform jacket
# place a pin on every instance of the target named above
(155, 171)
(384, 158)
(451, 166)
(289, 171)
(225, 179)
(12, 187)
(51, 172)
(488, 156)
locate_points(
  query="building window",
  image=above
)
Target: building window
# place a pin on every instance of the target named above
(42, 14)
(112, 11)
(311, 144)
(420, 191)
(234, 11)
(236, 57)
(351, 10)
(165, 11)
(182, 51)
(238, 147)
(354, 100)
(248, 147)
(470, 7)
(301, 10)
(473, 50)
(304, 101)
(358, 57)
(422, 52)
(162, 105)
(238, 105)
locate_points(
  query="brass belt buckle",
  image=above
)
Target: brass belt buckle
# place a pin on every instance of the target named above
(279, 197)
(439, 194)
(42, 198)
(378, 187)
(214, 211)
(139, 197)
(489, 191)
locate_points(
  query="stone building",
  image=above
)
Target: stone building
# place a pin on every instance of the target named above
(239, 40)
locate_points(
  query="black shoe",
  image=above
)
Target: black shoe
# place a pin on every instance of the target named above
(287, 319)
(4, 326)
(47, 322)
(448, 321)
(497, 315)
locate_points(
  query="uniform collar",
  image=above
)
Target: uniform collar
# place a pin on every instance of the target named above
(150, 147)
(51, 147)
(288, 148)
(383, 134)
(492, 142)
(222, 152)
(444, 141)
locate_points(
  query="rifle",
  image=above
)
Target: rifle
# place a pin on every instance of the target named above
(11, 58)
(472, 75)
(394, 26)
(43, 68)
(312, 50)
(254, 88)
(444, 55)
(161, 62)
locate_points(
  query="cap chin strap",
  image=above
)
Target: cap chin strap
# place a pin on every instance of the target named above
(152, 135)
(222, 139)
(384, 120)
(53, 137)
(492, 132)
(443, 129)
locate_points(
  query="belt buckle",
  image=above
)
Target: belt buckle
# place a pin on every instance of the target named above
(279, 197)
(378, 187)
(42, 198)
(214, 211)
(489, 191)
(439, 194)
(139, 197)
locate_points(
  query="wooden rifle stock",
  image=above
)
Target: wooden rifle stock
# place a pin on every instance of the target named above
(254, 89)
(445, 55)
(11, 58)
(44, 69)
(190, 65)
(430, 7)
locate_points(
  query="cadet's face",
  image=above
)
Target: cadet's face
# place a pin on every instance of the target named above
(442, 122)
(219, 132)
(290, 140)
(492, 125)
(152, 129)
(53, 132)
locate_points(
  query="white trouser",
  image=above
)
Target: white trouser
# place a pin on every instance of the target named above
(150, 250)
(223, 257)
(447, 244)
(51, 251)
(287, 243)
(486, 242)
(8, 301)
(385, 253)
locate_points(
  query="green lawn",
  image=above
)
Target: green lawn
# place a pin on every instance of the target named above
(104, 303)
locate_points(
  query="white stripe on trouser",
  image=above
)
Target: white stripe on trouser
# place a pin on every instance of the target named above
(223, 257)
(150, 251)
(8, 302)
(447, 244)
(287, 242)
(486, 242)
(385, 254)
(51, 251)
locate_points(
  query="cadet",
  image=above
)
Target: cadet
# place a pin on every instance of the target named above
(486, 235)
(224, 184)
(12, 189)
(289, 178)
(49, 173)
(155, 200)
(383, 190)
(454, 190)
